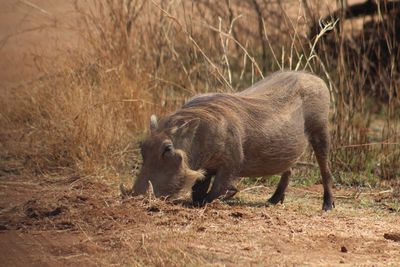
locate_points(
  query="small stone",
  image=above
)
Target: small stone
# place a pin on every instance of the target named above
(237, 214)
(392, 236)
(201, 229)
(153, 209)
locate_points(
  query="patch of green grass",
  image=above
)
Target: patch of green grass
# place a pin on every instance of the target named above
(256, 181)
(363, 179)
(394, 205)
(306, 177)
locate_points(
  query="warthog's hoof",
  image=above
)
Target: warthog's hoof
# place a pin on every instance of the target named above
(230, 192)
(328, 205)
(275, 199)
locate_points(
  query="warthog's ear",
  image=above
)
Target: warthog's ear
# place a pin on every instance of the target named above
(153, 123)
(187, 130)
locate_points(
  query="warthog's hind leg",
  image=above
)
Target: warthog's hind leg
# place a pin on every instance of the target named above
(320, 144)
(279, 195)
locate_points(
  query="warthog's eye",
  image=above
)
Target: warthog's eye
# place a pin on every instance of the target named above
(168, 148)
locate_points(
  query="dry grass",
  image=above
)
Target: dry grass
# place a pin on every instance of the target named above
(142, 57)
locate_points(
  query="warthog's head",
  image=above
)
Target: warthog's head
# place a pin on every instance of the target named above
(165, 163)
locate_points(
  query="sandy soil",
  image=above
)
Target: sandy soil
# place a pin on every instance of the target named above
(75, 221)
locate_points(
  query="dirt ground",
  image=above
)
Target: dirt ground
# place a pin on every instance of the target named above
(51, 221)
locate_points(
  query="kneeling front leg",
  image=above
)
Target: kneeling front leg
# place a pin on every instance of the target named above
(200, 189)
(221, 187)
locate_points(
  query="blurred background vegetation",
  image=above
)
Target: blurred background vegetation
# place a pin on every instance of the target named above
(89, 106)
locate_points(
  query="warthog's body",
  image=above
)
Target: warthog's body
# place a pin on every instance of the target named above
(260, 131)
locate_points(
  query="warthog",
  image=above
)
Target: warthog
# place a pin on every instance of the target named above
(260, 131)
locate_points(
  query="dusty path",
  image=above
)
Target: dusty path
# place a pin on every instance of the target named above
(71, 221)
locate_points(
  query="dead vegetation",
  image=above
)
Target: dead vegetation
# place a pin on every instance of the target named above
(140, 58)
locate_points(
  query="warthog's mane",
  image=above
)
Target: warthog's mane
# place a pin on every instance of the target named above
(252, 103)
(217, 108)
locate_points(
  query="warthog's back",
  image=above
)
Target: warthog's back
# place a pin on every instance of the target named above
(286, 84)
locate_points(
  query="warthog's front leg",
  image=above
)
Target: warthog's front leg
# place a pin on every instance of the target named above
(200, 189)
(222, 186)
(229, 192)
(279, 195)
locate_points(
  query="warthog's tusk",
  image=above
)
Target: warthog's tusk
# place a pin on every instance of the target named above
(124, 191)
